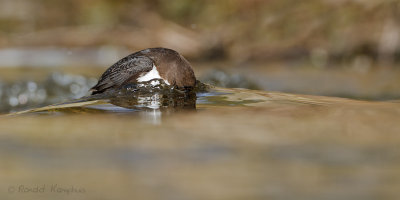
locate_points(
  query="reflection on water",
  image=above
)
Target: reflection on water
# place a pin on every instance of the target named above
(152, 99)
(149, 100)
(152, 96)
(57, 87)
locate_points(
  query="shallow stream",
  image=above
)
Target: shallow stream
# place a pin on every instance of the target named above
(216, 143)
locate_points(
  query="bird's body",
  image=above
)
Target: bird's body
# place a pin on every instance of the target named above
(145, 65)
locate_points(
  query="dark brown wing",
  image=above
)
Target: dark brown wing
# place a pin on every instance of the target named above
(122, 71)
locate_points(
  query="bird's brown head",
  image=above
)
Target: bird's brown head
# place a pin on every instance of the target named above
(172, 66)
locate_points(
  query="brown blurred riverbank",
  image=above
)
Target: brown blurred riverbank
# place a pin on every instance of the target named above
(326, 33)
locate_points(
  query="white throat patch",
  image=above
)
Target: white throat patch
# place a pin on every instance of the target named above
(153, 74)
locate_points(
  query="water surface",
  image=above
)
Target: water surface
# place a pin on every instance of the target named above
(226, 144)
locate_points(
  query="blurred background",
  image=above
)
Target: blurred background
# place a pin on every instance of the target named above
(238, 144)
(51, 51)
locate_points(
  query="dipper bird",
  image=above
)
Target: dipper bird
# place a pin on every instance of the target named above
(145, 65)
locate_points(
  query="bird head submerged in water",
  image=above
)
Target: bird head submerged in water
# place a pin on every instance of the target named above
(146, 65)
